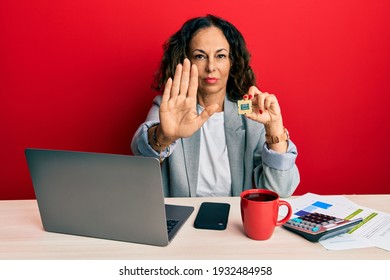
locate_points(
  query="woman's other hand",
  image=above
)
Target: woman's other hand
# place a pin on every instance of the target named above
(265, 107)
(266, 110)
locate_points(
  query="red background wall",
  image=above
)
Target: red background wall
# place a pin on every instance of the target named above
(76, 75)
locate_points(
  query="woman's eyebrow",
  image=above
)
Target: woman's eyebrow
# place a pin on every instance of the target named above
(199, 50)
(202, 51)
(223, 49)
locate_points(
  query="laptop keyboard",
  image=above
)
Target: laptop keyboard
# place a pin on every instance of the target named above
(171, 224)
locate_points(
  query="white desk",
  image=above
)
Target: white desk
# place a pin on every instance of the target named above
(22, 237)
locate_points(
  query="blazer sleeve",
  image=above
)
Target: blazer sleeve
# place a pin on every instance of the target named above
(276, 171)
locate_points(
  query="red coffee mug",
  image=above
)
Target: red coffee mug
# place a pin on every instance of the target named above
(259, 213)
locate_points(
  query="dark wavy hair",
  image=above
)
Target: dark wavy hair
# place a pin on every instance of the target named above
(241, 76)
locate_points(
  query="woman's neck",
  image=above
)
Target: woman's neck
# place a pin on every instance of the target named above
(209, 99)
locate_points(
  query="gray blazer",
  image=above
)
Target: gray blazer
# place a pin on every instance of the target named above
(252, 165)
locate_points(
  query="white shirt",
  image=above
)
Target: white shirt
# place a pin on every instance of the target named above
(214, 170)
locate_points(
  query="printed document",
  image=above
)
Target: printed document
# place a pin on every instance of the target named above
(373, 231)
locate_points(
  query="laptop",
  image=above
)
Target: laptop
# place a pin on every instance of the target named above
(109, 196)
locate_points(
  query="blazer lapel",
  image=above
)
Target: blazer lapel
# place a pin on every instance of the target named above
(191, 150)
(235, 141)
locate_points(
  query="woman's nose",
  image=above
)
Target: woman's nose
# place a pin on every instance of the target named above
(210, 65)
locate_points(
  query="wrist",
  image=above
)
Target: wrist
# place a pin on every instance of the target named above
(277, 138)
(274, 128)
(157, 139)
(155, 143)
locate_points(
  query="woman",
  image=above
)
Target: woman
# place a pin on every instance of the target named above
(205, 146)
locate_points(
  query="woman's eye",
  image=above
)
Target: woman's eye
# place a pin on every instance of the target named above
(199, 57)
(221, 56)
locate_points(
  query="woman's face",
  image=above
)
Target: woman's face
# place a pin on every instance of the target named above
(209, 51)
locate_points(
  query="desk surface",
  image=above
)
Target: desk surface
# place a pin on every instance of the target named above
(22, 237)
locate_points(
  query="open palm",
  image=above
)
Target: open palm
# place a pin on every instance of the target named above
(178, 114)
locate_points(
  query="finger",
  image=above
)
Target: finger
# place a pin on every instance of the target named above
(185, 76)
(193, 86)
(176, 80)
(252, 92)
(269, 101)
(167, 90)
(206, 114)
(260, 101)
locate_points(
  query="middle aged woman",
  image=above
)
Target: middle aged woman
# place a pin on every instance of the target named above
(205, 146)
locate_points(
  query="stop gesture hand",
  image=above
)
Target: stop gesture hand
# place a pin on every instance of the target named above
(178, 113)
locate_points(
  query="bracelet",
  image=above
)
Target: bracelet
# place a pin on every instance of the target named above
(158, 143)
(155, 140)
(276, 139)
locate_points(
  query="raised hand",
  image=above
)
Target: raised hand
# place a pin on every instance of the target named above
(178, 113)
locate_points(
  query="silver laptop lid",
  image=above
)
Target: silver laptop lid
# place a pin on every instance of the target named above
(99, 195)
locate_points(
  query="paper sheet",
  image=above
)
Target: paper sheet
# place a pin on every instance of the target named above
(373, 231)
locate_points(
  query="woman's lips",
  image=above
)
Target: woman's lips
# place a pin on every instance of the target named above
(210, 80)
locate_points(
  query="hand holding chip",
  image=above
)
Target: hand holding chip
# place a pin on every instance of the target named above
(260, 106)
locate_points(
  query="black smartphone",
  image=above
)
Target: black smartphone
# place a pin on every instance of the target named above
(212, 215)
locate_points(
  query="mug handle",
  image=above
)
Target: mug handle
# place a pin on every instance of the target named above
(289, 213)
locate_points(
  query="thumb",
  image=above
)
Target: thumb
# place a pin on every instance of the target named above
(207, 113)
(255, 117)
